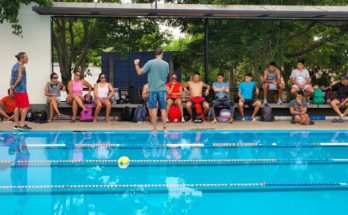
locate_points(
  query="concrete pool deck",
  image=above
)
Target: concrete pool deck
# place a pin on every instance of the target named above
(238, 125)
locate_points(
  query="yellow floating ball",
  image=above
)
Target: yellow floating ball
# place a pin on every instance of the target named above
(123, 162)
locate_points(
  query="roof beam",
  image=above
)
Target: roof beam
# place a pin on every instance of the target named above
(194, 11)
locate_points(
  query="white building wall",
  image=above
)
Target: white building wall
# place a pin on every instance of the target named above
(36, 42)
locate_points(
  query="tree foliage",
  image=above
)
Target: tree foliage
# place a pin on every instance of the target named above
(80, 41)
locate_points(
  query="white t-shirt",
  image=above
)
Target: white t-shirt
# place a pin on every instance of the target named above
(300, 76)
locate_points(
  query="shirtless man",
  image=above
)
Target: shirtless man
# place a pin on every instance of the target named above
(195, 87)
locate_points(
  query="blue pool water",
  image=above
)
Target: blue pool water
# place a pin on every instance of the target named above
(188, 172)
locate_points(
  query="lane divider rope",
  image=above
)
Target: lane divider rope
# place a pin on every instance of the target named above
(183, 145)
(196, 185)
(193, 161)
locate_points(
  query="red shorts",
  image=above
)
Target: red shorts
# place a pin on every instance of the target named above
(22, 100)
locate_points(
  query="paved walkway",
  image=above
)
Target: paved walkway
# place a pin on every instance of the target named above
(238, 125)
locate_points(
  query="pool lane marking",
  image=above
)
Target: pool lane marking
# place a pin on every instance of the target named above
(182, 145)
(193, 161)
(197, 185)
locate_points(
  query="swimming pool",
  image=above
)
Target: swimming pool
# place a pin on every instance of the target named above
(184, 172)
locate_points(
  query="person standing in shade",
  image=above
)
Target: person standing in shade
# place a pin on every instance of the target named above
(157, 72)
(18, 84)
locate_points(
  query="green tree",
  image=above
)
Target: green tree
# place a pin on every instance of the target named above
(9, 12)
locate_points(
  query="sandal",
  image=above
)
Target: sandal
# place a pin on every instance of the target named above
(337, 120)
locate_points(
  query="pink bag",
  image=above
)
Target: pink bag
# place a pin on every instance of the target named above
(87, 115)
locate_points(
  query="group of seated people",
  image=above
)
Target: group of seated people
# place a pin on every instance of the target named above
(301, 90)
(103, 91)
(197, 106)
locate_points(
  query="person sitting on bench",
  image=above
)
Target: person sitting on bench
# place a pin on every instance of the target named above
(301, 80)
(75, 89)
(298, 110)
(272, 81)
(103, 91)
(246, 90)
(174, 89)
(195, 87)
(52, 91)
(222, 97)
(341, 101)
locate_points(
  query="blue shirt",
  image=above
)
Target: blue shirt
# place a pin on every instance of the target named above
(247, 89)
(21, 87)
(220, 85)
(157, 73)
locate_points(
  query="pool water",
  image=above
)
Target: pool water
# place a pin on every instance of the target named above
(184, 172)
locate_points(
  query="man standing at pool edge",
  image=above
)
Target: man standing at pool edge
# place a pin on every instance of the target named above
(157, 72)
(18, 84)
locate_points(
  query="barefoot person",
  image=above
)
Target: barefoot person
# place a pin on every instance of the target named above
(157, 72)
(341, 100)
(19, 86)
(195, 87)
(52, 91)
(298, 109)
(75, 89)
(174, 89)
(103, 91)
(246, 91)
(9, 106)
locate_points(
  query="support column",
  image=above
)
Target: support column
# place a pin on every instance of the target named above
(206, 50)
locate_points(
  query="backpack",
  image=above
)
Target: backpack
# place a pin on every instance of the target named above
(134, 95)
(87, 115)
(139, 114)
(174, 114)
(127, 114)
(39, 117)
(266, 114)
(30, 116)
(329, 95)
(318, 97)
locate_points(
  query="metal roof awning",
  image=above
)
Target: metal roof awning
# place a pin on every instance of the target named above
(195, 11)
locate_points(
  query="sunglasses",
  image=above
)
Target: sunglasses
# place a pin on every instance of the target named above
(55, 78)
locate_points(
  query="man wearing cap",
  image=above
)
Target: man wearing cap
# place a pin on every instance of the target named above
(157, 72)
(341, 100)
(18, 84)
